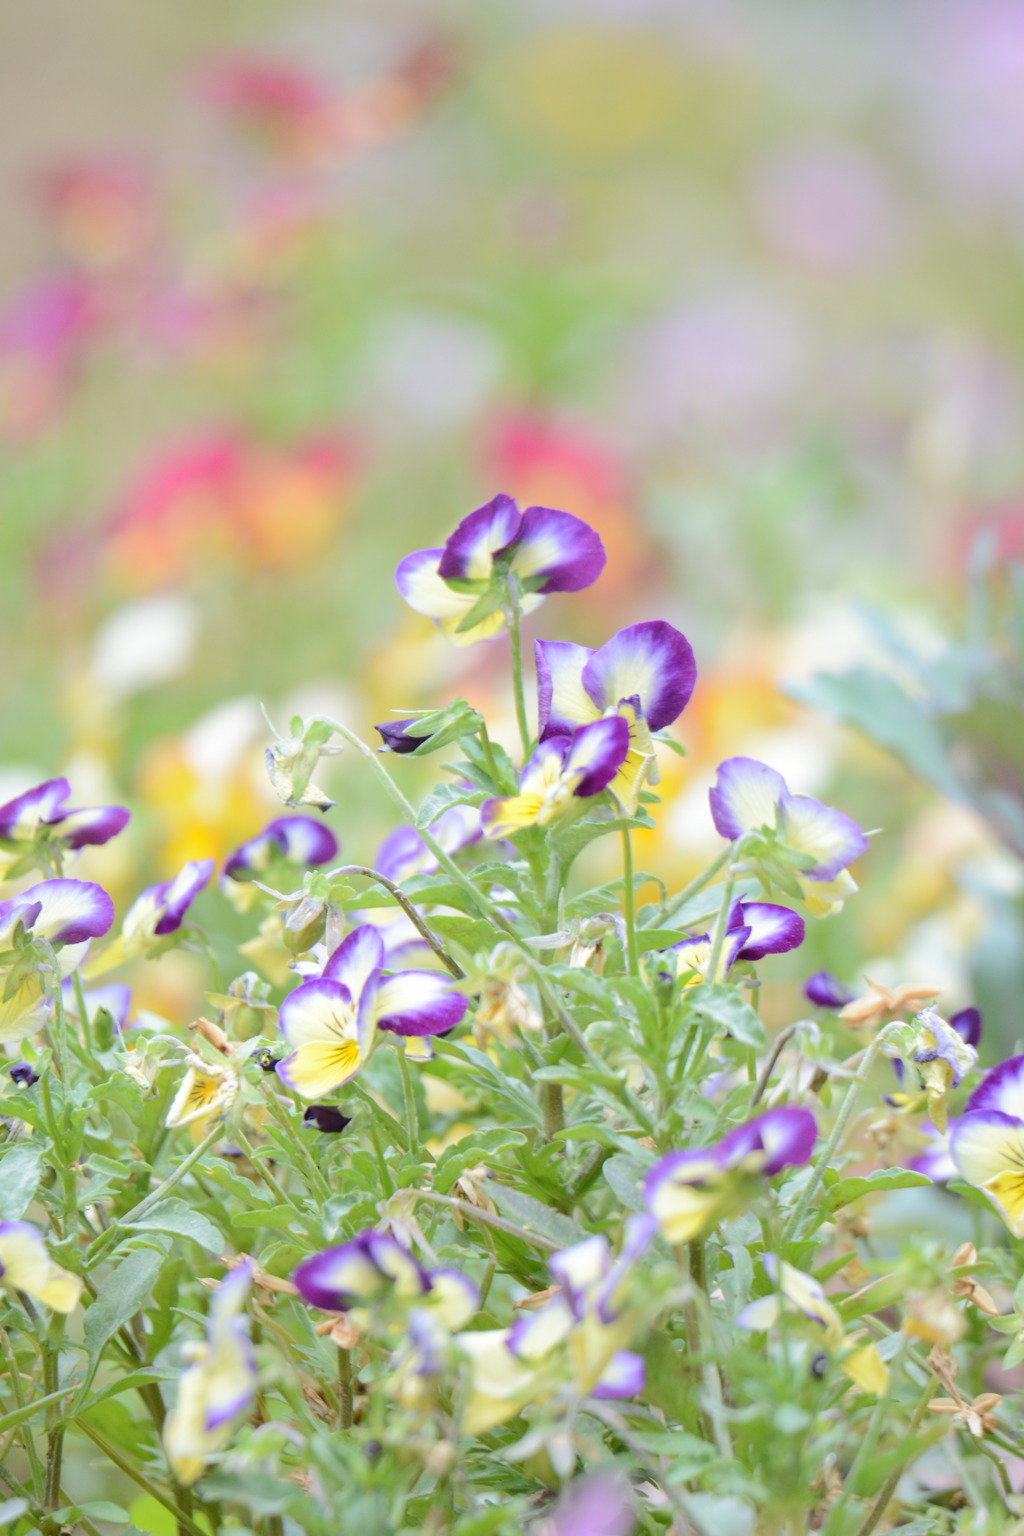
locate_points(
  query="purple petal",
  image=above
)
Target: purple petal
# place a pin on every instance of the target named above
(745, 796)
(340, 1277)
(1001, 1089)
(469, 552)
(38, 806)
(832, 839)
(357, 961)
(967, 1024)
(936, 1161)
(314, 1001)
(772, 930)
(825, 991)
(623, 1376)
(599, 1504)
(71, 910)
(174, 897)
(395, 736)
(419, 1003)
(786, 1136)
(686, 1167)
(79, 829)
(562, 549)
(562, 701)
(417, 580)
(579, 1268)
(304, 840)
(541, 767)
(652, 661)
(403, 854)
(598, 751)
(14, 911)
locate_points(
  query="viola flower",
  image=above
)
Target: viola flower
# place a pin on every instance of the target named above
(26, 1266)
(987, 1142)
(562, 770)
(799, 1293)
(297, 840)
(42, 815)
(645, 673)
(825, 991)
(431, 730)
(22, 1074)
(325, 1117)
(67, 914)
(331, 1023)
(207, 1089)
(155, 914)
(360, 1271)
(462, 586)
(754, 929)
(218, 1383)
(940, 1056)
(748, 796)
(578, 1333)
(687, 1192)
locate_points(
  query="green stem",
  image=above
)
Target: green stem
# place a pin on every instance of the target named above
(83, 1012)
(824, 1159)
(115, 1231)
(699, 882)
(415, 917)
(264, 1172)
(632, 951)
(22, 1412)
(185, 1521)
(488, 751)
(718, 935)
(412, 1119)
(345, 1417)
(552, 1106)
(54, 1429)
(487, 1219)
(514, 614)
(867, 1445)
(888, 1488)
(286, 1124)
(385, 1172)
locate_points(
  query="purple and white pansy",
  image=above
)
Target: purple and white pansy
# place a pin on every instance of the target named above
(748, 796)
(331, 1023)
(987, 1142)
(754, 929)
(360, 1271)
(43, 812)
(218, 1383)
(562, 770)
(295, 840)
(67, 915)
(545, 550)
(161, 909)
(645, 673)
(688, 1191)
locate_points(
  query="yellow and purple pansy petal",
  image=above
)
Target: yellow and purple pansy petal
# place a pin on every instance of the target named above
(353, 1273)
(533, 1335)
(469, 553)
(745, 796)
(1001, 1089)
(595, 754)
(14, 911)
(21, 818)
(770, 929)
(581, 1268)
(987, 1147)
(298, 840)
(92, 826)
(70, 911)
(160, 909)
(832, 839)
(552, 550)
(454, 1298)
(650, 664)
(563, 702)
(801, 1292)
(748, 796)
(25, 1265)
(684, 1192)
(623, 1376)
(319, 1020)
(967, 1023)
(414, 1003)
(562, 768)
(216, 1386)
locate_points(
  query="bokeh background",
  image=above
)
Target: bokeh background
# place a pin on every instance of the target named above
(287, 289)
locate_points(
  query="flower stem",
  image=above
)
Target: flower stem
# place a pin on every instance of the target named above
(286, 1124)
(412, 1119)
(888, 1488)
(486, 1219)
(698, 882)
(632, 952)
(514, 614)
(115, 1231)
(345, 1416)
(410, 911)
(824, 1159)
(184, 1519)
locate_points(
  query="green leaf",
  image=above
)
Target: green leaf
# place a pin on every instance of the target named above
(488, 603)
(19, 1178)
(529, 1213)
(879, 1182)
(102, 1509)
(471, 932)
(180, 1220)
(624, 1174)
(277, 1216)
(724, 1008)
(479, 1146)
(490, 1520)
(440, 799)
(120, 1297)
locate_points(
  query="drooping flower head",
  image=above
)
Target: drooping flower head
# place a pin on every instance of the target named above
(801, 1294)
(42, 815)
(218, 1383)
(645, 673)
(748, 796)
(295, 840)
(987, 1142)
(939, 1056)
(67, 914)
(331, 1023)
(26, 1266)
(461, 586)
(562, 770)
(754, 929)
(689, 1191)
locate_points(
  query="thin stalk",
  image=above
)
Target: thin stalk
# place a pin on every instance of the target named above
(488, 751)
(54, 1428)
(184, 1519)
(112, 1235)
(264, 1172)
(824, 1159)
(718, 934)
(888, 1488)
(83, 1012)
(345, 1404)
(632, 951)
(867, 1444)
(514, 615)
(699, 881)
(778, 1046)
(385, 1172)
(487, 1219)
(22, 1412)
(412, 1118)
(286, 1124)
(416, 918)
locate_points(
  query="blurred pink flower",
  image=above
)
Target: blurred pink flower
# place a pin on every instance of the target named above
(42, 339)
(826, 207)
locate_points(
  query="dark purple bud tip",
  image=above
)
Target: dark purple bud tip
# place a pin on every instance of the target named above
(22, 1074)
(266, 1061)
(396, 738)
(825, 991)
(326, 1117)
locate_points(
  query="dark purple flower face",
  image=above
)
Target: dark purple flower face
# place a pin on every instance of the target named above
(397, 738)
(327, 1118)
(22, 1074)
(825, 991)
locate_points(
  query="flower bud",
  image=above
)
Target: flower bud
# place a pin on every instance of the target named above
(292, 760)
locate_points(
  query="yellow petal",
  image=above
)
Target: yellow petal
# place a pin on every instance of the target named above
(62, 1291)
(1008, 1190)
(867, 1370)
(513, 814)
(319, 1067)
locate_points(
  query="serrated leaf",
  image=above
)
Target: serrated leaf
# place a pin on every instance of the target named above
(441, 798)
(879, 1182)
(180, 1220)
(19, 1177)
(121, 1295)
(724, 1008)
